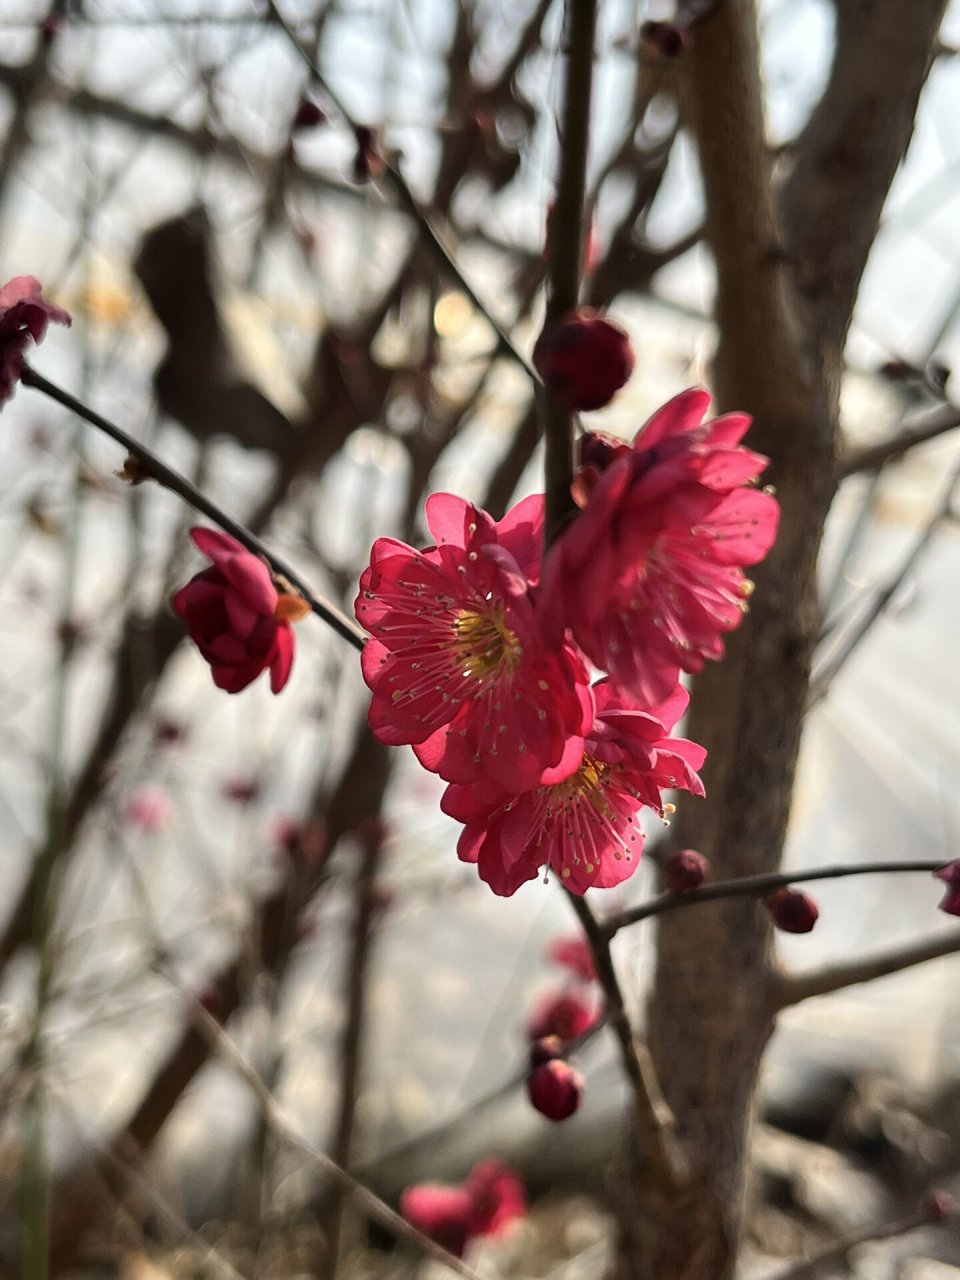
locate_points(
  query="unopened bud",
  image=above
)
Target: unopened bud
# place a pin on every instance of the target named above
(685, 871)
(555, 1089)
(584, 359)
(792, 911)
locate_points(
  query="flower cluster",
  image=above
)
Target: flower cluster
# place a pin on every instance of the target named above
(24, 316)
(480, 656)
(491, 1198)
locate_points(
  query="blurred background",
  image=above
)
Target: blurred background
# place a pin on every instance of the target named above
(250, 296)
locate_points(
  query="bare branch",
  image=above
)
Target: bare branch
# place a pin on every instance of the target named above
(155, 469)
(837, 1252)
(918, 431)
(792, 989)
(756, 887)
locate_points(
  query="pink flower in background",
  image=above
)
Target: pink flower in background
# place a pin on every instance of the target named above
(583, 826)
(488, 1201)
(566, 1016)
(445, 1214)
(573, 953)
(236, 617)
(24, 316)
(148, 808)
(497, 1195)
(456, 663)
(649, 576)
(950, 875)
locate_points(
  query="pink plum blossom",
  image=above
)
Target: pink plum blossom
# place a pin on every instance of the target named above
(648, 576)
(582, 826)
(236, 617)
(573, 952)
(490, 1199)
(24, 315)
(456, 662)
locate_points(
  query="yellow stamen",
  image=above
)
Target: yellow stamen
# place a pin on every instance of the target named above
(290, 608)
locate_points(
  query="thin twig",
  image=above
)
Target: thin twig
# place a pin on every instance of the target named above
(170, 479)
(391, 174)
(837, 1252)
(282, 1129)
(791, 989)
(756, 887)
(873, 457)
(829, 668)
(654, 1118)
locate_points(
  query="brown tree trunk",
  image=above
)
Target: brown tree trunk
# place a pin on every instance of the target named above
(782, 311)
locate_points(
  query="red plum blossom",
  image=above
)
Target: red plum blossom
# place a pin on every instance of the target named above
(235, 615)
(24, 316)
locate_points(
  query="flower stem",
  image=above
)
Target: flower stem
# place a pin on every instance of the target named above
(155, 469)
(756, 886)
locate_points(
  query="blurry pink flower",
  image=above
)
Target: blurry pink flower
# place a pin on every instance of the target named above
(566, 1016)
(445, 1214)
(491, 1198)
(584, 826)
(24, 315)
(497, 1196)
(584, 359)
(950, 875)
(236, 617)
(649, 576)
(555, 1089)
(573, 953)
(148, 808)
(456, 663)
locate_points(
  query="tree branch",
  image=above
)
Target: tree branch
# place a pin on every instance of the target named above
(155, 468)
(873, 457)
(756, 887)
(791, 989)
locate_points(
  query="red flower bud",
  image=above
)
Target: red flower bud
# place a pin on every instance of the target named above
(685, 871)
(555, 1089)
(791, 910)
(573, 953)
(545, 1050)
(950, 875)
(584, 359)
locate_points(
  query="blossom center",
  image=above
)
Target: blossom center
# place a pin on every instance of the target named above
(485, 644)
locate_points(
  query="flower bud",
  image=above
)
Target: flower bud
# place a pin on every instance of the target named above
(950, 875)
(685, 871)
(564, 1015)
(546, 1049)
(555, 1089)
(791, 910)
(584, 359)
